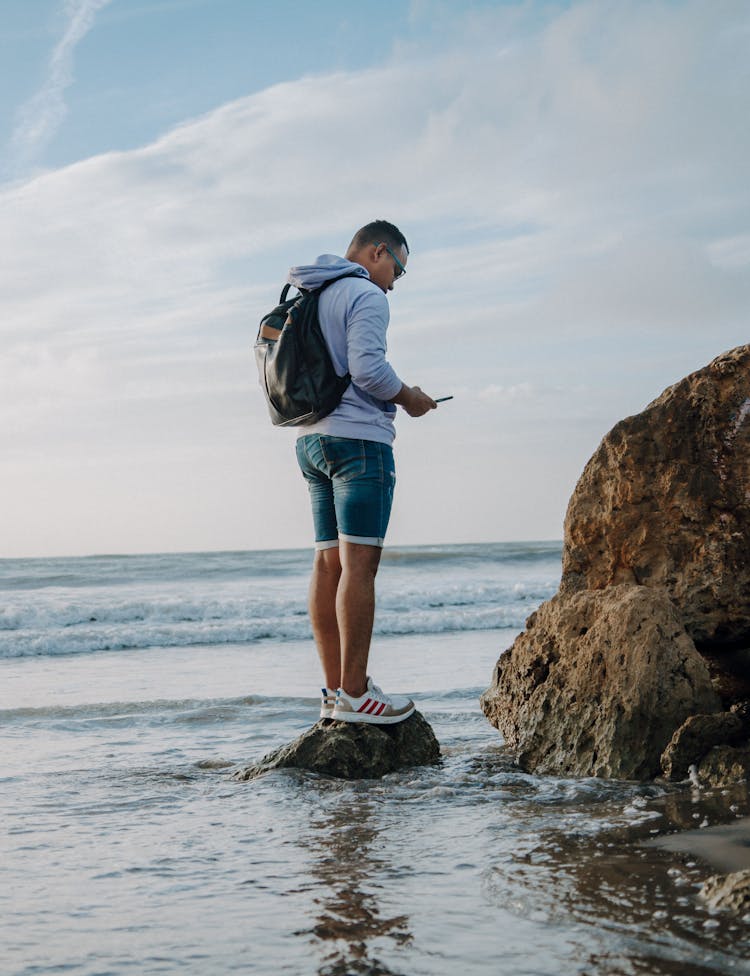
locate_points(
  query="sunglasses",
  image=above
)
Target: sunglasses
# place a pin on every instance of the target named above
(401, 270)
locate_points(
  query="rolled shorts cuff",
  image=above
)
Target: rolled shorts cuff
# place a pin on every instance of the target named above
(363, 540)
(359, 540)
(327, 544)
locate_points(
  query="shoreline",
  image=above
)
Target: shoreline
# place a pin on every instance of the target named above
(726, 847)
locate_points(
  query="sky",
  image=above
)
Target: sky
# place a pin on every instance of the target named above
(572, 178)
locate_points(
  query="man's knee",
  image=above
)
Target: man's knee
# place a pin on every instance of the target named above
(327, 561)
(360, 559)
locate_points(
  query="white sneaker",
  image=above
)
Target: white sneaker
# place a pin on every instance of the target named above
(373, 707)
(327, 702)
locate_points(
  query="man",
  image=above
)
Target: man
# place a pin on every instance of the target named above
(347, 461)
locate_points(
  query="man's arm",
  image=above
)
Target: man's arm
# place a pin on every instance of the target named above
(368, 366)
(366, 324)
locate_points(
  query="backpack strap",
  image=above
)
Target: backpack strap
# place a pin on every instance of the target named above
(316, 291)
(349, 274)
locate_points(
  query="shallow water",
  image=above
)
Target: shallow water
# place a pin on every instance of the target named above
(129, 848)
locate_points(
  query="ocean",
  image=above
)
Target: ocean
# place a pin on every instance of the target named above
(131, 688)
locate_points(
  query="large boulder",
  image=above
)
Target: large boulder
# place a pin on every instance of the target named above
(651, 624)
(598, 683)
(665, 502)
(354, 750)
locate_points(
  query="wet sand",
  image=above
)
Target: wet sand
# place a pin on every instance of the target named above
(725, 847)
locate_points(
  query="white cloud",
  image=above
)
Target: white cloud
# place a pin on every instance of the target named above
(517, 391)
(561, 185)
(732, 253)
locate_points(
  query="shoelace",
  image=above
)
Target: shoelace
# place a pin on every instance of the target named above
(379, 692)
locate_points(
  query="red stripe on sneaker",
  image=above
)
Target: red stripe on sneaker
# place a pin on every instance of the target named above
(373, 708)
(380, 709)
(363, 708)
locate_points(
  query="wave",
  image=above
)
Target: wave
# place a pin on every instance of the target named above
(424, 590)
(114, 570)
(106, 571)
(82, 640)
(186, 710)
(142, 625)
(486, 553)
(107, 711)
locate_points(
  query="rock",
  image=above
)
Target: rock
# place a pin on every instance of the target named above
(665, 502)
(695, 737)
(598, 683)
(354, 751)
(730, 892)
(730, 672)
(651, 624)
(725, 765)
(742, 710)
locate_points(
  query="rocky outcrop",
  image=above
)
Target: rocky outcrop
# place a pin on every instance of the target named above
(598, 683)
(651, 624)
(729, 892)
(354, 751)
(695, 737)
(665, 502)
(725, 765)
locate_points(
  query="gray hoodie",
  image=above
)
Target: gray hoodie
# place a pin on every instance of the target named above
(354, 318)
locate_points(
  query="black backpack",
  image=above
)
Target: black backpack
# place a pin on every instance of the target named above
(295, 368)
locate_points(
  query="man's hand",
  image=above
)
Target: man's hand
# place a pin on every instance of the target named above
(414, 401)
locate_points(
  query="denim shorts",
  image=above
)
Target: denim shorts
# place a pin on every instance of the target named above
(351, 486)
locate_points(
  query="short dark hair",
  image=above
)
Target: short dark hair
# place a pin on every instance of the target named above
(378, 232)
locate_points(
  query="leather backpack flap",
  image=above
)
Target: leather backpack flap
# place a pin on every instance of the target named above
(271, 325)
(269, 332)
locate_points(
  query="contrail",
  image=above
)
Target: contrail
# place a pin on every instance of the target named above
(41, 116)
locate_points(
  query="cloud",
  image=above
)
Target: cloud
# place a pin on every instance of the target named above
(731, 252)
(574, 190)
(497, 392)
(42, 115)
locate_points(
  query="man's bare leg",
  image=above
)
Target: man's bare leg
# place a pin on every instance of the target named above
(324, 583)
(355, 612)
(342, 610)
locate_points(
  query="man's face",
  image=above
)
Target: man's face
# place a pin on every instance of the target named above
(386, 264)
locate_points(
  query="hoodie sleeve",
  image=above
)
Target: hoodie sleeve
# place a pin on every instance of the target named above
(366, 326)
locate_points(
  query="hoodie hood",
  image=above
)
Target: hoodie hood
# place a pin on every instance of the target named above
(326, 266)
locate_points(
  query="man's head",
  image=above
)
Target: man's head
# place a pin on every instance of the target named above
(381, 248)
